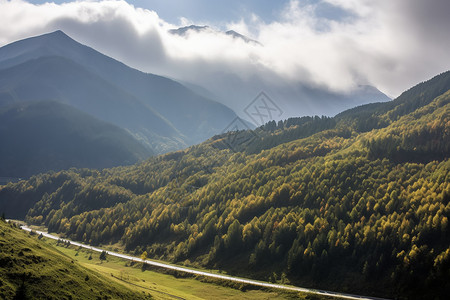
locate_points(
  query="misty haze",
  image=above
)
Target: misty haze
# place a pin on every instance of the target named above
(193, 149)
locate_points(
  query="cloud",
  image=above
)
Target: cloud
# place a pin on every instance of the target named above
(389, 44)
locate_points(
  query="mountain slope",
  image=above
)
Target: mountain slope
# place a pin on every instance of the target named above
(195, 117)
(62, 80)
(41, 136)
(360, 119)
(326, 206)
(377, 115)
(31, 269)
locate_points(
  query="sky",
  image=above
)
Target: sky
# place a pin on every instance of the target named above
(220, 12)
(333, 44)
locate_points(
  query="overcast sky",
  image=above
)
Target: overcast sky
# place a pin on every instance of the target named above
(219, 12)
(337, 44)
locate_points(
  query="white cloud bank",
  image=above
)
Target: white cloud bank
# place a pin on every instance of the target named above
(389, 44)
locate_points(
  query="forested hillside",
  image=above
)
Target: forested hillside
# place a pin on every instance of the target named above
(354, 204)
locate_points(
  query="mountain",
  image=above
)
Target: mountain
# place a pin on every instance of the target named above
(419, 95)
(182, 31)
(356, 203)
(294, 97)
(44, 135)
(160, 112)
(237, 35)
(60, 79)
(31, 269)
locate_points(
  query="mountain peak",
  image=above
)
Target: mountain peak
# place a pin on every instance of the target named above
(237, 35)
(183, 30)
(57, 33)
(57, 36)
(43, 45)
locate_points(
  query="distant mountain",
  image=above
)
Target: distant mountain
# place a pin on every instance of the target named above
(60, 79)
(183, 30)
(45, 135)
(417, 96)
(170, 116)
(295, 98)
(237, 35)
(195, 28)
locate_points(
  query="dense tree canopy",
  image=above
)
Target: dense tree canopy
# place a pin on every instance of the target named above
(327, 202)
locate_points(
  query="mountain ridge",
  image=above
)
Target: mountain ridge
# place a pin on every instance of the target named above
(201, 117)
(61, 79)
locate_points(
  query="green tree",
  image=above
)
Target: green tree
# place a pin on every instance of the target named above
(144, 255)
(103, 255)
(233, 238)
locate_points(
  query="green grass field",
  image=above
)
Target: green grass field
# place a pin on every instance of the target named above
(165, 286)
(36, 268)
(32, 269)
